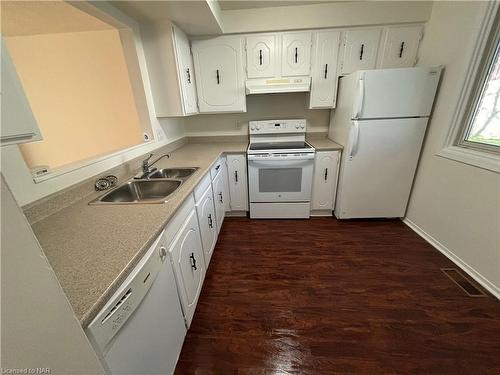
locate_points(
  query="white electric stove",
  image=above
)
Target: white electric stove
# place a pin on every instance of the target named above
(280, 169)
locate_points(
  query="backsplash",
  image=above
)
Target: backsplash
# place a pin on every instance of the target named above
(259, 107)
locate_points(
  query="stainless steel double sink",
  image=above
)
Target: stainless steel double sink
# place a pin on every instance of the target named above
(154, 187)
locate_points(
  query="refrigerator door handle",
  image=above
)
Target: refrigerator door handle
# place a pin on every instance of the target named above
(353, 148)
(360, 97)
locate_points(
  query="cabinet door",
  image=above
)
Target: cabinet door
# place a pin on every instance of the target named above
(325, 180)
(360, 50)
(226, 198)
(219, 75)
(189, 266)
(218, 189)
(295, 54)
(324, 69)
(400, 47)
(18, 121)
(261, 56)
(237, 176)
(208, 223)
(185, 72)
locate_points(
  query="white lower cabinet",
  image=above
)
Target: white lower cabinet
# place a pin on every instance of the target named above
(220, 197)
(208, 223)
(237, 179)
(186, 255)
(326, 166)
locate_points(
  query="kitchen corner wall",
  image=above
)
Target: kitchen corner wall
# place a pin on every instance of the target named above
(259, 107)
(454, 205)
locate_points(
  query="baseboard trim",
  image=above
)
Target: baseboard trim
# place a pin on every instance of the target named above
(485, 283)
(321, 213)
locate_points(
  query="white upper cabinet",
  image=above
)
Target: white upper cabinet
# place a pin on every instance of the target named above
(18, 121)
(170, 69)
(261, 56)
(219, 74)
(185, 71)
(324, 69)
(237, 177)
(325, 180)
(296, 54)
(360, 50)
(400, 46)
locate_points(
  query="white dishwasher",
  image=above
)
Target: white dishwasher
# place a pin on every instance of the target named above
(141, 329)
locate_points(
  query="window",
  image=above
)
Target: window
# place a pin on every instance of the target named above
(482, 126)
(474, 134)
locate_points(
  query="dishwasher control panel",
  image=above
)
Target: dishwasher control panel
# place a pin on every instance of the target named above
(126, 299)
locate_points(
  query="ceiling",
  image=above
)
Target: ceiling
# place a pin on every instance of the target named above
(21, 18)
(193, 17)
(237, 4)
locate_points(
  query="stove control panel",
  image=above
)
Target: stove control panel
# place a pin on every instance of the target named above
(277, 126)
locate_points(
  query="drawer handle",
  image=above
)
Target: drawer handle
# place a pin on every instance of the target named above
(192, 260)
(326, 70)
(296, 55)
(235, 176)
(326, 174)
(210, 222)
(217, 167)
(188, 76)
(401, 49)
(260, 57)
(220, 197)
(218, 77)
(361, 52)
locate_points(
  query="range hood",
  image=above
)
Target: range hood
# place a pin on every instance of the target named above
(277, 85)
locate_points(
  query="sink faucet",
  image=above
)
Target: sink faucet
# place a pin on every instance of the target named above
(146, 165)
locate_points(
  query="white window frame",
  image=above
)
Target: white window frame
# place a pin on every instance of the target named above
(456, 147)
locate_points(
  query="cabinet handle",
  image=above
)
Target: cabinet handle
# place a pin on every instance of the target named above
(188, 76)
(192, 260)
(218, 77)
(260, 57)
(163, 254)
(217, 167)
(326, 70)
(296, 55)
(401, 49)
(210, 222)
(235, 176)
(361, 52)
(220, 197)
(326, 174)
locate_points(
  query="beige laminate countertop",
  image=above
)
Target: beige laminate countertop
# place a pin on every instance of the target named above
(92, 249)
(323, 143)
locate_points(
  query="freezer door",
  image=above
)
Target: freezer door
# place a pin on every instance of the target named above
(393, 93)
(378, 167)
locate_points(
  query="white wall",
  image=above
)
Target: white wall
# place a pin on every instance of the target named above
(166, 131)
(39, 329)
(314, 16)
(457, 205)
(260, 107)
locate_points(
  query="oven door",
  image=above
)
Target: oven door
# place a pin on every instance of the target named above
(280, 177)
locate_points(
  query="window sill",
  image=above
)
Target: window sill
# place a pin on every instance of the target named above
(480, 159)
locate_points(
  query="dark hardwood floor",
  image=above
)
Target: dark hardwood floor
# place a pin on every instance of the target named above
(321, 296)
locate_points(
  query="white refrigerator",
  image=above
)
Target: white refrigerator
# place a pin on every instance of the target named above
(380, 120)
